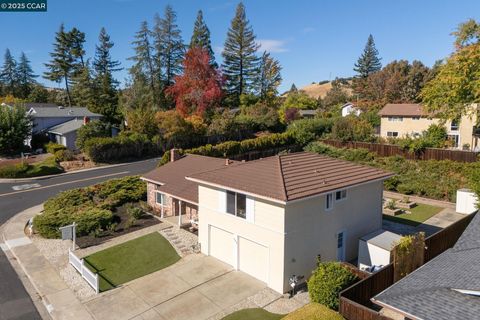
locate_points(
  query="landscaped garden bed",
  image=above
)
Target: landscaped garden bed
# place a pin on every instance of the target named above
(101, 211)
(131, 260)
(415, 216)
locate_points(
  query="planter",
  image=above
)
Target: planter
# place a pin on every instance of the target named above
(392, 212)
(406, 205)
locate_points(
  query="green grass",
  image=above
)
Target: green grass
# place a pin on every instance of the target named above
(131, 260)
(23, 170)
(417, 216)
(253, 314)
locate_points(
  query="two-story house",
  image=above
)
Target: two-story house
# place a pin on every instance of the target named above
(400, 120)
(272, 218)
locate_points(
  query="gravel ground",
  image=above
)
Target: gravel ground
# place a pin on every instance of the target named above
(56, 252)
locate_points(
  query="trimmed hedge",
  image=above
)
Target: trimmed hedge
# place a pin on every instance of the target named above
(119, 148)
(53, 147)
(90, 207)
(64, 155)
(327, 281)
(230, 148)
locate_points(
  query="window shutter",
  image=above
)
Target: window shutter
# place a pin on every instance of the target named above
(250, 209)
(222, 201)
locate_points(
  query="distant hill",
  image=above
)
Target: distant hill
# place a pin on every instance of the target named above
(316, 90)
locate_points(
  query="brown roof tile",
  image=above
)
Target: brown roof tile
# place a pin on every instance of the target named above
(291, 176)
(172, 175)
(403, 109)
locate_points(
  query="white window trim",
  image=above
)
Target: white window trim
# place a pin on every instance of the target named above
(162, 197)
(235, 214)
(341, 199)
(331, 201)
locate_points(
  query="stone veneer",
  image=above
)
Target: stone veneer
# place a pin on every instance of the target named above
(171, 205)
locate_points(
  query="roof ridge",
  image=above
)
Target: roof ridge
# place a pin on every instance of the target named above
(282, 176)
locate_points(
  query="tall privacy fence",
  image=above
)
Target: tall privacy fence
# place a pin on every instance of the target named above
(387, 150)
(89, 276)
(355, 303)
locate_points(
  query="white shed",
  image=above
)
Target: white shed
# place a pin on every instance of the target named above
(374, 248)
(466, 201)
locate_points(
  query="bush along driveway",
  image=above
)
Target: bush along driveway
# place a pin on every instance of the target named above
(132, 259)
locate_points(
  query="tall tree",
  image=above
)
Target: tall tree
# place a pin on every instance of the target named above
(144, 67)
(105, 84)
(15, 126)
(169, 46)
(77, 40)
(369, 62)
(8, 74)
(62, 66)
(201, 37)
(269, 77)
(240, 63)
(26, 76)
(83, 88)
(199, 89)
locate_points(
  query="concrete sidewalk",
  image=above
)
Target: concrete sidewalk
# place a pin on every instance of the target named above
(58, 299)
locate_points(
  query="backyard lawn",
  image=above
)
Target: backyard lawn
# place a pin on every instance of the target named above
(418, 215)
(311, 311)
(132, 259)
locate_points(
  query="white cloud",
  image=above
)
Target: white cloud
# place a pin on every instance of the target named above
(272, 45)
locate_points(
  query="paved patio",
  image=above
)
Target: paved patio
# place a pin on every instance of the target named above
(196, 287)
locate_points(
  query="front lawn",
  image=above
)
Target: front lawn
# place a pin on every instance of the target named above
(253, 314)
(417, 216)
(132, 259)
(24, 170)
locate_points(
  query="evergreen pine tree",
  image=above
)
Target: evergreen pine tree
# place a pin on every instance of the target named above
(369, 62)
(240, 64)
(62, 65)
(144, 67)
(201, 37)
(269, 77)
(83, 88)
(169, 46)
(106, 102)
(8, 74)
(26, 77)
(293, 88)
(77, 40)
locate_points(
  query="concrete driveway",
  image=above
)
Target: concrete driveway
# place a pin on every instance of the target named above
(196, 287)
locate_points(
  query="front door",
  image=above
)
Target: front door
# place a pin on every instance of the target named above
(341, 246)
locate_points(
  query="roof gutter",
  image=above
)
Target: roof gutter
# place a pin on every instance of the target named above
(403, 313)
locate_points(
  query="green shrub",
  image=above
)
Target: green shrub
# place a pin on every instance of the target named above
(307, 130)
(64, 155)
(92, 129)
(53, 147)
(14, 171)
(327, 281)
(23, 170)
(134, 212)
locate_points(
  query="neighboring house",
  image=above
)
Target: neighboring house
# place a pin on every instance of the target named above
(400, 120)
(447, 287)
(59, 123)
(349, 108)
(272, 218)
(307, 114)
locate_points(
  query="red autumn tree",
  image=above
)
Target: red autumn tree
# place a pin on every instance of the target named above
(199, 88)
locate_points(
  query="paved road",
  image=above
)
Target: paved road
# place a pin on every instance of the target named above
(16, 197)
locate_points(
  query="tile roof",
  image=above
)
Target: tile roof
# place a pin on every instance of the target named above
(69, 112)
(66, 127)
(429, 292)
(403, 109)
(291, 176)
(172, 175)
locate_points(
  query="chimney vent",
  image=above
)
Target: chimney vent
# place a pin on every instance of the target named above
(86, 120)
(174, 155)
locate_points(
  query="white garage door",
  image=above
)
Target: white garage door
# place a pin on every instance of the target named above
(253, 259)
(221, 245)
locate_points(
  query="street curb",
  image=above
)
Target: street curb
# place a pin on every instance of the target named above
(15, 180)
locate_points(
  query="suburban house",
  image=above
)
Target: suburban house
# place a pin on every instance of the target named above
(400, 120)
(273, 217)
(349, 108)
(447, 287)
(59, 123)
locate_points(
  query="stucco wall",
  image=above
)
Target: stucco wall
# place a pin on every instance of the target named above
(266, 229)
(312, 231)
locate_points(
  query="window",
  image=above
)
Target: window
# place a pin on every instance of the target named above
(237, 204)
(395, 119)
(340, 195)
(329, 201)
(454, 125)
(160, 198)
(392, 134)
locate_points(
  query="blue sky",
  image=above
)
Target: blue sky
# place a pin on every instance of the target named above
(314, 40)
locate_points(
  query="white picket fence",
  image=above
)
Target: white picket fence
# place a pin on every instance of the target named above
(79, 264)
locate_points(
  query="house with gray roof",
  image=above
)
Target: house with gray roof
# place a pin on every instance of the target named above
(447, 287)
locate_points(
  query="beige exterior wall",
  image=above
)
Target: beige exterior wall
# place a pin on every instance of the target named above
(266, 229)
(410, 126)
(311, 230)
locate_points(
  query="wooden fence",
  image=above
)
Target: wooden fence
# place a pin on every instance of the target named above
(387, 150)
(257, 154)
(355, 301)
